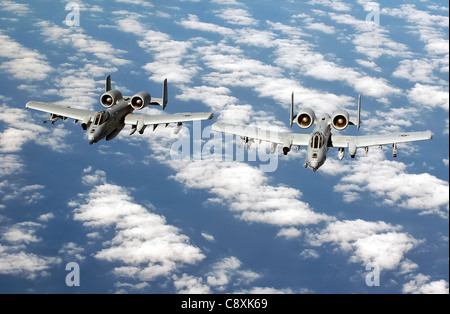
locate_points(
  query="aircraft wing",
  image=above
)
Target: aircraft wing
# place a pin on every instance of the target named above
(61, 111)
(375, 140)
(143, 119)
(283, 138)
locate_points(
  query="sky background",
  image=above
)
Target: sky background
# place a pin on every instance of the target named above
(137, 218)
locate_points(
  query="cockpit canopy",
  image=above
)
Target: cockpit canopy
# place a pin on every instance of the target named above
(317, 140)
(101, 117)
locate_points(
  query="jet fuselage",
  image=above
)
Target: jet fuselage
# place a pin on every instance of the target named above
(318, 144)
(108, 123)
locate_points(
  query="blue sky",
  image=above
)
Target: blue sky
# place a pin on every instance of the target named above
(137, 219)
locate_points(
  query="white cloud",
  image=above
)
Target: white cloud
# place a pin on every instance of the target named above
(370, 39)
(369, 242)
(389, 182)
(21, 233)
(10, 164)
(298, 54)
(237, 16)
(29, 194)
(187, 284)
(230, 68)
(309, 253)
(416, 71)
(369, 64)
(18, 263)
(84, 44)
(92, 179)
(289, 233)
(14, 260)
(144, 245)
(23, 63)
(19, 9)
(270, 290)
(246, 190)
(429, 96)
(336, 5)
(229, 271)
(322, 27)
(226, 2)
(217, 98)
(193, 22)
(72, 250)
(421, 284)
(208, 237)
(20, 130)
(171, 57)
(431, 28)
(46, 217)
(136, 2)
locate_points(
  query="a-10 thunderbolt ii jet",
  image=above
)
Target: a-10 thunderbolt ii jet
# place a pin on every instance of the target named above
(108, 123)
(321, 138)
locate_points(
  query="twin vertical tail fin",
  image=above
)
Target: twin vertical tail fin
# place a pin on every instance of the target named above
(164, 97)
(357, 121)
(108, 83)
(291, 119)
(156, 101)
(358, 118)
(161, 101)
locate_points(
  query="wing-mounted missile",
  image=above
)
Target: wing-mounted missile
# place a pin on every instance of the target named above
(86, 122)
(247, 141)
(273, 148)
(394, 150)
(352, 149)
(138, 126)
(341, 153)
(177, 129)
(53, 118)
(287, 147)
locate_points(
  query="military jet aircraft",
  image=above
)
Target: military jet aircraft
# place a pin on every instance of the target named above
(108, 123)
(321, 138)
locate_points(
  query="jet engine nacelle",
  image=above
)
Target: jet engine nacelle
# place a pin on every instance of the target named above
(306, 118)
(140, 100)
(110, 98)
(340, 119)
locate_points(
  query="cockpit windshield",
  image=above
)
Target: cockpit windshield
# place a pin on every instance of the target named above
(101, 117)
(316, 141)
